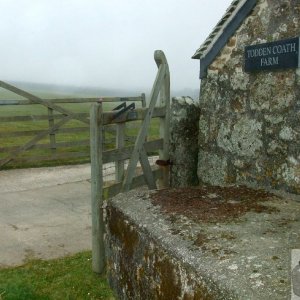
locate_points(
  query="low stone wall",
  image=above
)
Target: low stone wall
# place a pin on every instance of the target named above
(211, 243)
(143, 262)
(184, 127)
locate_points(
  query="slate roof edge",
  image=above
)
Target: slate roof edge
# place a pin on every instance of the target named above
(233, 18)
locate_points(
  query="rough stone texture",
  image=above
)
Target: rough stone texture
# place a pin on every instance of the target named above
(184, 141)
(155, 255)
(249, 127)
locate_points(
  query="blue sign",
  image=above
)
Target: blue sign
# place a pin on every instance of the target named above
(284, 54)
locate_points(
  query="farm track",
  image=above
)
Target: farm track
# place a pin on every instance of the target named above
(45, 212)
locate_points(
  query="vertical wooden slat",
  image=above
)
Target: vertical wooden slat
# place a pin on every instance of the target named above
(120, 143)
(164, 126)
(98, 252)
(143, 96)
(103, 138)
(149, 178)
(51, 134)
(144, 129)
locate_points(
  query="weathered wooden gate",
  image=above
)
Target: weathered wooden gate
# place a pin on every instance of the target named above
(45, 140)
(127, 180)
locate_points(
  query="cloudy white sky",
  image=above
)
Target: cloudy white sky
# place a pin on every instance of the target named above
(104, 43)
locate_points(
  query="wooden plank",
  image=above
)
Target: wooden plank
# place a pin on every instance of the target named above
(48, 146)
(98, 252)
(74, 100)
(38, 100)
(137, 181)
(34, 132)
(144, 104)
(108, 116)
(120, 143)
(125, 153)
(144, 129)
(164, 125)
(96, 99)
(147, 170)
(52, 134)
(31, 118)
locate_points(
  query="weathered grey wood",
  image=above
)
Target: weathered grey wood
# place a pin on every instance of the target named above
(144, 129)
(51, 117)
(125, 153)
(34, 132)
(107, 118)
(147, 169)
(120, 143)
(33, 141)
(38, 100)
(98, 254)
(113, 190)
(165, 121)
(144, 104)
(39, 117)
(47, 146)
(52, 134)
(74, 100)
(139, 151)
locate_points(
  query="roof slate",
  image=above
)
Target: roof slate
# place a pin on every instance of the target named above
(219, 29)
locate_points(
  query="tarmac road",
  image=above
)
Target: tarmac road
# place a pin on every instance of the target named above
(44, 213)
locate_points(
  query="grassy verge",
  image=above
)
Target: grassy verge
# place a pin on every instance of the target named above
(64, 278)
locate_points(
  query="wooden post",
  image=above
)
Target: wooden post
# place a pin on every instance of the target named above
(120, 143)
(164, 124)
(51, 134)
(138, 150)
(98, 251)
(144, 104)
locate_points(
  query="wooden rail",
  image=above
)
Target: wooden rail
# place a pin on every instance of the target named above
(126, 180)
(49, 137)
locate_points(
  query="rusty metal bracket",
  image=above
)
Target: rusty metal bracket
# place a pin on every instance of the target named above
(163, 163)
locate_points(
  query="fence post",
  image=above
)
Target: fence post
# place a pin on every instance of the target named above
(144, 104)
(164, 125)
(51, 134)
(98, 251)
(120, 143)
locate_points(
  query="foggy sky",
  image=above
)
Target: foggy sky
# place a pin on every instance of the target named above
(104, 43)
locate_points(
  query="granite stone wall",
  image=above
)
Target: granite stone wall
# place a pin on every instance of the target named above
(249, 128)
(184, 149)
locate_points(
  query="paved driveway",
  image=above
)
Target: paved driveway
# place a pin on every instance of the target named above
(44, 213)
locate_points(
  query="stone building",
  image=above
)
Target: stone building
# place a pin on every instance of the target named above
(249, 128)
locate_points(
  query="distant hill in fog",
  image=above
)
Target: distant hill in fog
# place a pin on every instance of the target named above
(54, 90)
(69, 90)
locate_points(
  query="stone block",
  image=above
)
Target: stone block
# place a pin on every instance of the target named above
(201, 243)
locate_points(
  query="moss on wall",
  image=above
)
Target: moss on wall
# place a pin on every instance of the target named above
(249, 128)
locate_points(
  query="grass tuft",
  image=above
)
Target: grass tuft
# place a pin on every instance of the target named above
(65, 278)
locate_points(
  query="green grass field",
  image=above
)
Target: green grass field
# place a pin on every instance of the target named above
(65, 278)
